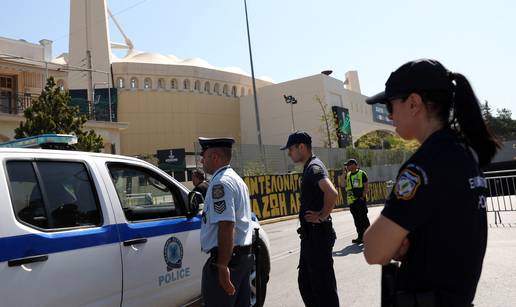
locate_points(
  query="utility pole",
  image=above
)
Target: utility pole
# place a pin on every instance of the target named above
(109, 96)
(254, 81)
(256, 111)
(46, 74)
(90, 83)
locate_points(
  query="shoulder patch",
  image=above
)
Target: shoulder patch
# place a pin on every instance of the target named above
(407, 184)
(219, 206)
(316, 169)
(217, 191)
(420, 170)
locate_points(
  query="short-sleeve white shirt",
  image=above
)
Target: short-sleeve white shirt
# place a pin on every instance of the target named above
(227, 199)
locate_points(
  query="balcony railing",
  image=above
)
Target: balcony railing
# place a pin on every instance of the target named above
(15, 103)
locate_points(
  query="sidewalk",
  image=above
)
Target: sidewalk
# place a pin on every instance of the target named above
(498, 280)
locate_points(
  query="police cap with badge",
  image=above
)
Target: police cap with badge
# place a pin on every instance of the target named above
(207, 143)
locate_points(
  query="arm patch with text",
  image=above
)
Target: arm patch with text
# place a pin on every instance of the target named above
(407, 184)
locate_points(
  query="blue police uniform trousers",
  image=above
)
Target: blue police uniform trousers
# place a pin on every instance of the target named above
(316, 277)
(240, 271)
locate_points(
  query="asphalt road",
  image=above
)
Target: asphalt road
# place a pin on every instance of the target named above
(359, 283)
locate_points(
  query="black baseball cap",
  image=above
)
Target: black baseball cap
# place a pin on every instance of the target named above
(351, 161)
(215, 142)
(418, 75)
(298, 137)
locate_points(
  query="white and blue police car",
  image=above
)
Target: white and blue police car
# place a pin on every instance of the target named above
(88, 229)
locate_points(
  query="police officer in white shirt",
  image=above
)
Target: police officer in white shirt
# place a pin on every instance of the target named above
(226, 231)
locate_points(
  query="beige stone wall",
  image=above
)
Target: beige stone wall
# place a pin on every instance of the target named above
(110, 133)
(275, 114)
(88, 31)
(167, 119)
(7, 125)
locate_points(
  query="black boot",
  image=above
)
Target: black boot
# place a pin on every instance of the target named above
(358, 240)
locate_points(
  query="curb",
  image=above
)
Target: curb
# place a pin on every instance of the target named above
(291, 217)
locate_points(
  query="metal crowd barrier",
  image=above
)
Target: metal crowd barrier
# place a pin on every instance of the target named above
(502, 192)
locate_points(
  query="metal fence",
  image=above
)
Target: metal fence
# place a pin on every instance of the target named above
(15, 103)
(502, 193)
(250, 159)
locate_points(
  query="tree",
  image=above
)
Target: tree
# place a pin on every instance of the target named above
(385, 140)
(502, 124)
(486, 111)
(329, 124)
(51, 113)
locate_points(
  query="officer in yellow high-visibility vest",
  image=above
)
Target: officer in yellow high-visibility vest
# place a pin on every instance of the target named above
(357, 187)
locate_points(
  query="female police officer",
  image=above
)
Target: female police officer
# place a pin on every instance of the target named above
(434, 220)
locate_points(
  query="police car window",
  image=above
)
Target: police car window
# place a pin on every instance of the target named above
(143, 194)
(26, 196)
(63, 196)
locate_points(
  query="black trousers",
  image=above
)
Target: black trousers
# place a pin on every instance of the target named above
(316, 277)
(359, 211)
(240, 271)
(429, 299)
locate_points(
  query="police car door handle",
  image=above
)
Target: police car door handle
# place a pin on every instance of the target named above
(134, 241)
(22, 261)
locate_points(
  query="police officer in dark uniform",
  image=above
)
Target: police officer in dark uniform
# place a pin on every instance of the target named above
(316, 278)
(357, 187)
(226, 231)
(434, 220)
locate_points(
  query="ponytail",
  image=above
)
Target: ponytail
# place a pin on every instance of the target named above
(469, 123)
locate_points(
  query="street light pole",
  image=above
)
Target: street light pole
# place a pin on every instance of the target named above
(292, 101)
(253, 79)
(292, 114)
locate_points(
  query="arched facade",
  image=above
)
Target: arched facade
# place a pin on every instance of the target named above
(147, 83)
(61, 84)
(161, 83)
(134, 83)
(186, 84)
(120, 82)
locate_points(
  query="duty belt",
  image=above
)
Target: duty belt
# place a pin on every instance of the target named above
(237, 250)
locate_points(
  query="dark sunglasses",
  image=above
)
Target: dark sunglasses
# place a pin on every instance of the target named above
(388, 104)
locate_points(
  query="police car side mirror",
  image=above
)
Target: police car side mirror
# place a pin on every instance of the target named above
(195, 200)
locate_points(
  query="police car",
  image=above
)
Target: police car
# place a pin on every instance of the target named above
(88, 229)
